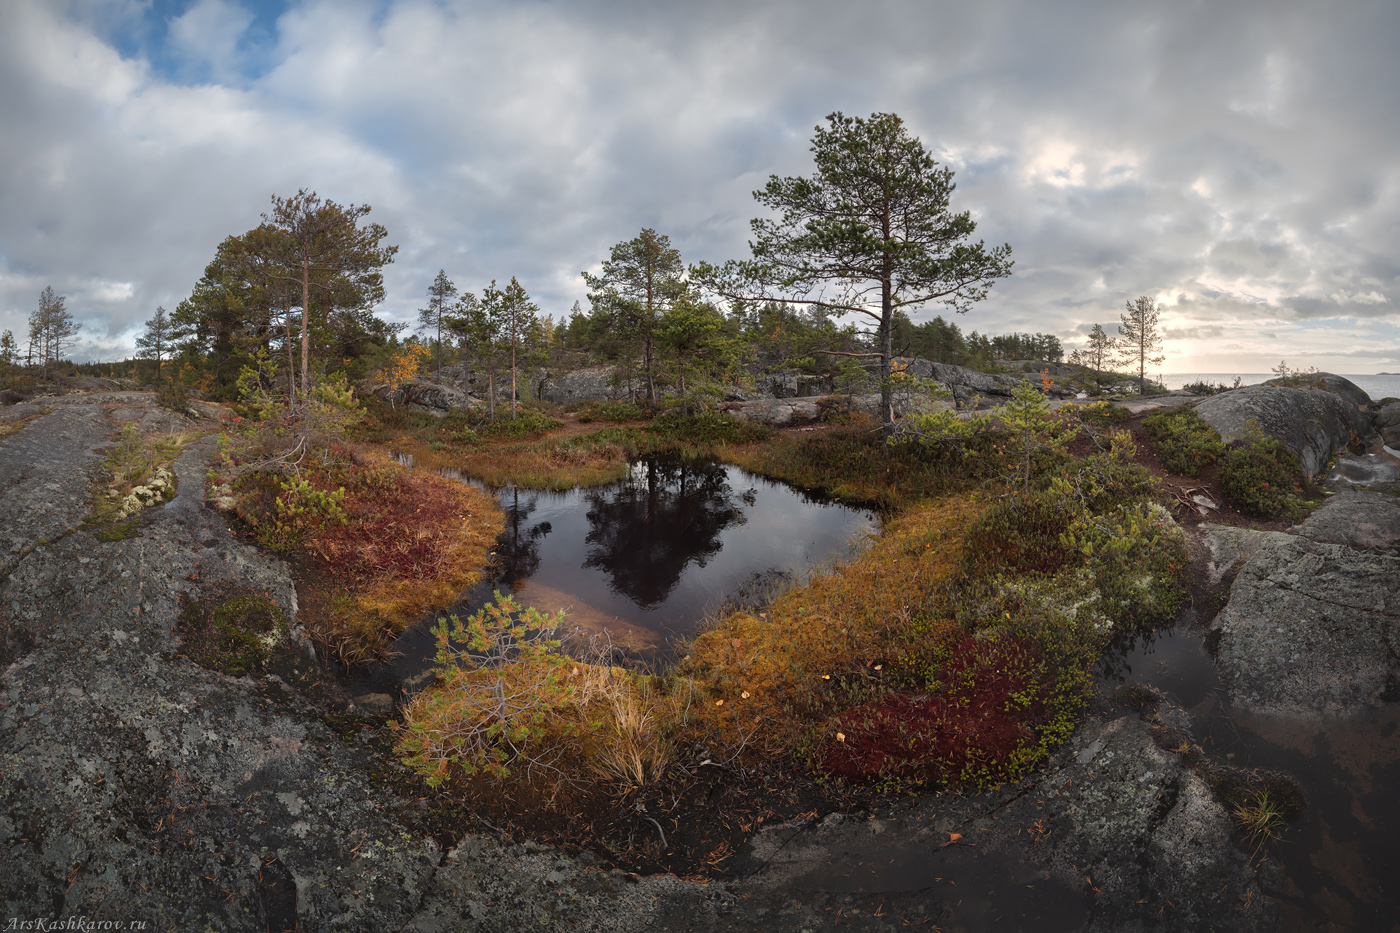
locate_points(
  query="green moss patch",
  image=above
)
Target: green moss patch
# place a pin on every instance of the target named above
(234, 636)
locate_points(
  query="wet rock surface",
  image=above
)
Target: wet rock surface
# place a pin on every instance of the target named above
(135, 784)
(1310, 626)
(1114, 834)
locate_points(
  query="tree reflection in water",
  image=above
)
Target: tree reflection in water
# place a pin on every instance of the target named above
(518, 547)
(644, 533)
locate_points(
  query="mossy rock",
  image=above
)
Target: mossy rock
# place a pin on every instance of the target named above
(237, 636)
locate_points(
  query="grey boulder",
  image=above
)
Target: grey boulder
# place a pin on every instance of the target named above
(1310, 627)
(1311, 423)
(422, 395)
(1361, 520)
(583, 385)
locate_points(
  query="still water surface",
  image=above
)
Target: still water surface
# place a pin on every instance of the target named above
(644, 560)
(1340, 858)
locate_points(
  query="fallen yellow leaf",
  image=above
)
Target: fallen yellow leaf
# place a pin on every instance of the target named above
(840, 736)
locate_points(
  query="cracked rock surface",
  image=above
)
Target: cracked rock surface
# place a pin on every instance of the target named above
(1311, 626)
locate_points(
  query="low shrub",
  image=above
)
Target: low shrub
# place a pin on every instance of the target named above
(706, 428)
(1262, 477)
(526, 423)
(853, 462)
(1103, 414)
(509, 699)
(503, 691)
(171, 394)
(973, 727)
(1187, 444)
(300, 510)
(1022, 534)
(1204, 387)
(615, 410)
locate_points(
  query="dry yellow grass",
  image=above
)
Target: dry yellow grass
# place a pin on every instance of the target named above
(544, 464)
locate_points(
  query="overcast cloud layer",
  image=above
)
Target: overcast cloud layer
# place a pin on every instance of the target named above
(1239, 162)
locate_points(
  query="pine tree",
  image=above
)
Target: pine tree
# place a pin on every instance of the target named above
(1141, 344)
(871, 233)
(326, 250)
(155, 344)
(642, 279)
(51, 328)
(515, 321)
(440, 295)
(1101, 348)
(9, 350)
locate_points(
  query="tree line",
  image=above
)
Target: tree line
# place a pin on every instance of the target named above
(871, 237)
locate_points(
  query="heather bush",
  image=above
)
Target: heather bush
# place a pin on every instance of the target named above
(1261, 476)
(1187, 444)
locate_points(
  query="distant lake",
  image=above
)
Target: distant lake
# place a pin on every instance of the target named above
(1378, 387)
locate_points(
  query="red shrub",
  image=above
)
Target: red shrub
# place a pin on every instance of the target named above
(969, 728)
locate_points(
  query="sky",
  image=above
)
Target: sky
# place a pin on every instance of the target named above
(1239, 162)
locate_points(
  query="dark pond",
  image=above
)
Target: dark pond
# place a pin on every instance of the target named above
(644, 560)
(1340, 859)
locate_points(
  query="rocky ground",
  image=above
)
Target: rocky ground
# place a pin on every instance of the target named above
(136, 785)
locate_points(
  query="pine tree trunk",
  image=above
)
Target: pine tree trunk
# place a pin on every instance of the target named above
(886, 357)
(305, 327)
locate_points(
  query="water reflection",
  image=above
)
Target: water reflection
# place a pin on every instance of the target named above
(663, 518)
(1347, 767)
(643, 560)
(518, 548)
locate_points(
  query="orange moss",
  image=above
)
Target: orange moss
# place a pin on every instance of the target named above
(837, 640)
(544, 464)
(409, 542)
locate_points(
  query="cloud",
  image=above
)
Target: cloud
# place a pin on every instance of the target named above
(1234, 162)
(206, 36)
